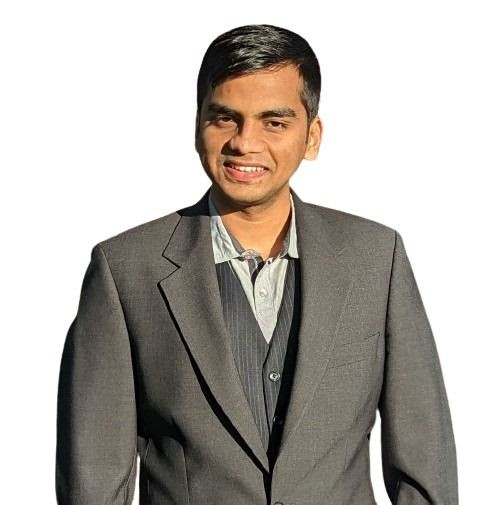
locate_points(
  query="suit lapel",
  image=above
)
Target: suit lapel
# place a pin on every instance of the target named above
(325, 286)
(190, 286)
(192, 291)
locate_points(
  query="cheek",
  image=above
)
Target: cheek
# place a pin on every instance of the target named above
(289, 152)
(213, 143)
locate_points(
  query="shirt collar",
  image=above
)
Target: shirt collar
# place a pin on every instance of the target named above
(227, 247)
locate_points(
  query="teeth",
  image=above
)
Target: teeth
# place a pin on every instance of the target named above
(248, 169)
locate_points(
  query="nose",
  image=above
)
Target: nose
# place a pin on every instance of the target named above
(246, 139)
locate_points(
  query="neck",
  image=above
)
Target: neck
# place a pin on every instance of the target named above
(261, 227)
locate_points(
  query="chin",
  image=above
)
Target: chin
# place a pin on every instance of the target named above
(242, 196)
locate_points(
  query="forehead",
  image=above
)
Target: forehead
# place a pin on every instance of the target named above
(267, 88)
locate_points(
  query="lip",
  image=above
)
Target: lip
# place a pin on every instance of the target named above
(245, 164)
(243, 176)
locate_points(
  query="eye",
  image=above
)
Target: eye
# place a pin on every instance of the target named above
(223, 120)
(276, 125)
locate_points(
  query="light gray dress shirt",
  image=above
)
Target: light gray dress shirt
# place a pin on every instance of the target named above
(262, 281)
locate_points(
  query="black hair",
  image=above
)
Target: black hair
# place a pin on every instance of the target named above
(251, 48)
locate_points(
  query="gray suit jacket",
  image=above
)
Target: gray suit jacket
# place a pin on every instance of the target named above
(147, 369)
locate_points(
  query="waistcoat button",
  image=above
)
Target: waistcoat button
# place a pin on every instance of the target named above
(274, 376)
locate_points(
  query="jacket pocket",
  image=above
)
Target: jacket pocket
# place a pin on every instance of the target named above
(354, 351)
(166, 470)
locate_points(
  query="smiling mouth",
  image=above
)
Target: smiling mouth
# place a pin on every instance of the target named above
(245, 168)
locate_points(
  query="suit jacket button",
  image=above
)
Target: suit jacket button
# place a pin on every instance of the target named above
(278, 503)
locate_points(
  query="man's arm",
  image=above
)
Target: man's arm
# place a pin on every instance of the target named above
(418, 447)
(96, 412)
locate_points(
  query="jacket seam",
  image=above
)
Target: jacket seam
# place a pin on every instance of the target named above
(186, 476)
(127, 481)
(129, 474)
(144, 466)
(116, 289)
(386, 349)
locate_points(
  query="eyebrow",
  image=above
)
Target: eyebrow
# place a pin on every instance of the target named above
(217, 108)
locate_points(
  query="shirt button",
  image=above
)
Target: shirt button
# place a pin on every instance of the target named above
(274, 376)
(262, 292)
(249, 254)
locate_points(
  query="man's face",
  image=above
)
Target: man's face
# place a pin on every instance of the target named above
(255, 120)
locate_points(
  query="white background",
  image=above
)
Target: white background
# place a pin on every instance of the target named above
(97, 106)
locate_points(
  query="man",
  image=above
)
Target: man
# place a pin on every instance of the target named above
(243, 345)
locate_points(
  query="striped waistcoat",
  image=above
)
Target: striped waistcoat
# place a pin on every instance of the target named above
(265, 370)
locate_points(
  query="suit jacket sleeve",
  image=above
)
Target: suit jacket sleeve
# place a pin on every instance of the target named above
(417, 442)
(96, 413)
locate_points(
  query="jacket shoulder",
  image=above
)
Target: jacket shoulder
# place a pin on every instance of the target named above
(141, 240)
(365, 239)
(350, 224)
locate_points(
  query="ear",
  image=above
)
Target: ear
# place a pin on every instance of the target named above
(198, 119)
(314, 138)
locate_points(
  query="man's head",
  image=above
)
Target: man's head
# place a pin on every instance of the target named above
(257, 102)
